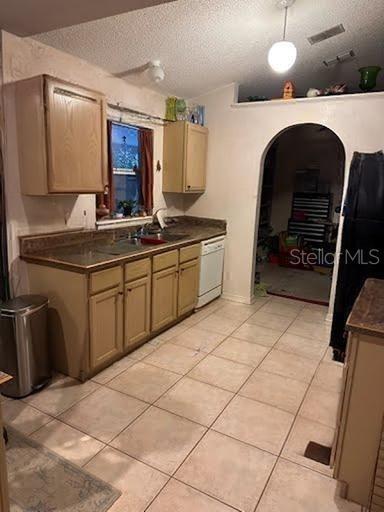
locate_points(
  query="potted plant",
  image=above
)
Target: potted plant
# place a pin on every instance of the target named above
(127, 206)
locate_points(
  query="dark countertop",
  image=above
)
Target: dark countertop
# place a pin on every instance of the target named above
(89, 251)
(367, 315)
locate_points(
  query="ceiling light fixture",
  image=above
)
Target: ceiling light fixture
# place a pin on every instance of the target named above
(153, 70)
(282, 55)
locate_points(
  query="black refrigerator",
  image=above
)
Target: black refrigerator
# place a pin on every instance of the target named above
(362, 247)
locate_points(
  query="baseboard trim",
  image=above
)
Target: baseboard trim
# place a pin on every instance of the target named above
(239, 298)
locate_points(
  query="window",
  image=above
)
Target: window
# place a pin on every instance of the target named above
(130, 172)
(125, 158)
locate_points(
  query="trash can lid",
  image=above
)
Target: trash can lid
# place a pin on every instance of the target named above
(22, 304)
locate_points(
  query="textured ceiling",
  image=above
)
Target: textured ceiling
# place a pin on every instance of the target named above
(204, 44)
(27, 17)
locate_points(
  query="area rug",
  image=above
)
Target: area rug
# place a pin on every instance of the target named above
(41, 481)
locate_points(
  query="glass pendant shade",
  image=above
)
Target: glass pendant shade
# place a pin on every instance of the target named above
(282, 56)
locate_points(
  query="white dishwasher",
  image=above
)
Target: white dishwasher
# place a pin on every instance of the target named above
(211, 270)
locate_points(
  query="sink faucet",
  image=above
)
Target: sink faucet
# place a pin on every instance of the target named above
(142, 229)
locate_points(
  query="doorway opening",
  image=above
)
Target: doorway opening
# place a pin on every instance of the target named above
(299, 215)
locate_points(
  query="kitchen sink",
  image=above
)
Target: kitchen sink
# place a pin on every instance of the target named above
(133, 244)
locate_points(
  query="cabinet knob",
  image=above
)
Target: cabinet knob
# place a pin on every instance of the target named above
(129, 290)
(188, 186)
(121, 293)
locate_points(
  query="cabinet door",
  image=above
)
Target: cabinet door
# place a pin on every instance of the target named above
(137, 310)
(164, 297)
(195, 158)
(188, 286)
(76, 125)
(106, 322)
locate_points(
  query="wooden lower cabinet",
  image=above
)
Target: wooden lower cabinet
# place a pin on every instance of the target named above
(164, 297)
(106, 327)
(137, 311)
(188, 286)
(96, 318)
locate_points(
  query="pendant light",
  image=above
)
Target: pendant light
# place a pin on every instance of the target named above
(282, 55)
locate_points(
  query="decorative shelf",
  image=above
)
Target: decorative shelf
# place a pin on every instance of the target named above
(356, 96)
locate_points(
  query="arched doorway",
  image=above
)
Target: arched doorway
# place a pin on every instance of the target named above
(299, 212)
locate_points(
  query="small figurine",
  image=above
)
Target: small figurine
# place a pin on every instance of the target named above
(336, 89)
(313, 93)
(289, 90)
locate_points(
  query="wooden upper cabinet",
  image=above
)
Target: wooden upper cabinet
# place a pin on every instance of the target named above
(62, 139)
(185, 157)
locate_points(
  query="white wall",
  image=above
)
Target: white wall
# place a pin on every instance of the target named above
(24, 58)
(238, 140)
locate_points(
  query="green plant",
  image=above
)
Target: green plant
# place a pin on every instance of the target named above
(127, 205)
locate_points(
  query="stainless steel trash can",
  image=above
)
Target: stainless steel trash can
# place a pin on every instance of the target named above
(24, 351)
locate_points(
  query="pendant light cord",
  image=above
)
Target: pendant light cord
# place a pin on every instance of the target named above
(285, 22)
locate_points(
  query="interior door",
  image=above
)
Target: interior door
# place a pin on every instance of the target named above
(188, 286)
(164, 297)
(76, 139)
(106, 322)
(196, 157)
(137, 310)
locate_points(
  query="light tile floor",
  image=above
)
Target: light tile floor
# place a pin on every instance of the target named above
(213, 415)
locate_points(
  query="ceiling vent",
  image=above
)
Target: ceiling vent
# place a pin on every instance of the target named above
(327, 34)
(339, 59)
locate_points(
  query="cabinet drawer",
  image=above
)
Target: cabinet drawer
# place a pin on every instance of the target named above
(165, 260)
(105, 279)
(137, 269)
(189, 253)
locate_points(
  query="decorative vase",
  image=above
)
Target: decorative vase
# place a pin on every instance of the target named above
(170, 112)
(368, 76)
(181, 108)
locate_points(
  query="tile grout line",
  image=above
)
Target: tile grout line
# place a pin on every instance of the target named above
(287, 436)
(234, 396)
(152, 404)
(208, 429)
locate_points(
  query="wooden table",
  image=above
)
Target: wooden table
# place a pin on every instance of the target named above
(4, 501)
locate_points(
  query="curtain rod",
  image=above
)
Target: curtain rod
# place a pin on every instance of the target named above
(137, 112)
